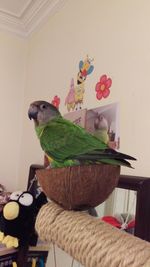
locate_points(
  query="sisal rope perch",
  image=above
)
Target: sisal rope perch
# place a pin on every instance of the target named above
(90, 241)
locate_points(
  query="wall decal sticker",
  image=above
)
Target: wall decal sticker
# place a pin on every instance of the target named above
(79, 95)
(102, 87)
(74, 99)
(56, 101)
(85, 68)
(70, 99)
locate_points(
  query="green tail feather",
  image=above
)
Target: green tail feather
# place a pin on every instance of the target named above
(116, 162)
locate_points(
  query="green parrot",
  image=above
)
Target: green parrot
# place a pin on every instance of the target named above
(69, 144)
(101, 128)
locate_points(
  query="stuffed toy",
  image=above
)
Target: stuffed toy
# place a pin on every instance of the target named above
(17, 222)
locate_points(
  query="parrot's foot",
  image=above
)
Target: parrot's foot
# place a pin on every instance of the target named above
(10, 241)
(48, 167)
(1, 236)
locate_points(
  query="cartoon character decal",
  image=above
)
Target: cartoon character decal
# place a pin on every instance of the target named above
(79, 95)
(70, 99)
(74, 99)
(85, 68)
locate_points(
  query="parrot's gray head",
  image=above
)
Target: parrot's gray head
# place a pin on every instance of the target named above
(42, 112)
(100, 123)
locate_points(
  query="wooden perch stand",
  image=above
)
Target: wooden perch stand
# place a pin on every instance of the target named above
(90, 240)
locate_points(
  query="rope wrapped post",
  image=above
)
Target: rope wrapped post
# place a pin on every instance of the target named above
(90, 240)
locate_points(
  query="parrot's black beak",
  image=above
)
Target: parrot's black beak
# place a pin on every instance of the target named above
(32, 115)
(32, 112)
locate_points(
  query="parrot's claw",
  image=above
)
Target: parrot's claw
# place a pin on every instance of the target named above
(10, 241)
(1, 236)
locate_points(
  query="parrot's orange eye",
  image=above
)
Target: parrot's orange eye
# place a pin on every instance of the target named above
(43, 106)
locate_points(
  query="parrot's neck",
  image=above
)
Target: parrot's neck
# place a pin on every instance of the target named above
(39, 130)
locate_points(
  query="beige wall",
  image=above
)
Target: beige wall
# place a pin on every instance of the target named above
(117, 34)
(13, 55)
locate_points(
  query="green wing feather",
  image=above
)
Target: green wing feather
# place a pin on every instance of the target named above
(62, 140)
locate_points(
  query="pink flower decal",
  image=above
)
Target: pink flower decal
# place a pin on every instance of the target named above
(102, 87)
(56, 101)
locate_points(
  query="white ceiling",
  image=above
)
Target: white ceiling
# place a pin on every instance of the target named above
(24, 16)
(14, 7)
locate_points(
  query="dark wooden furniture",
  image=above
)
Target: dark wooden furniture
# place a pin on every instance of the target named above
(139, 184)
(142, 217)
